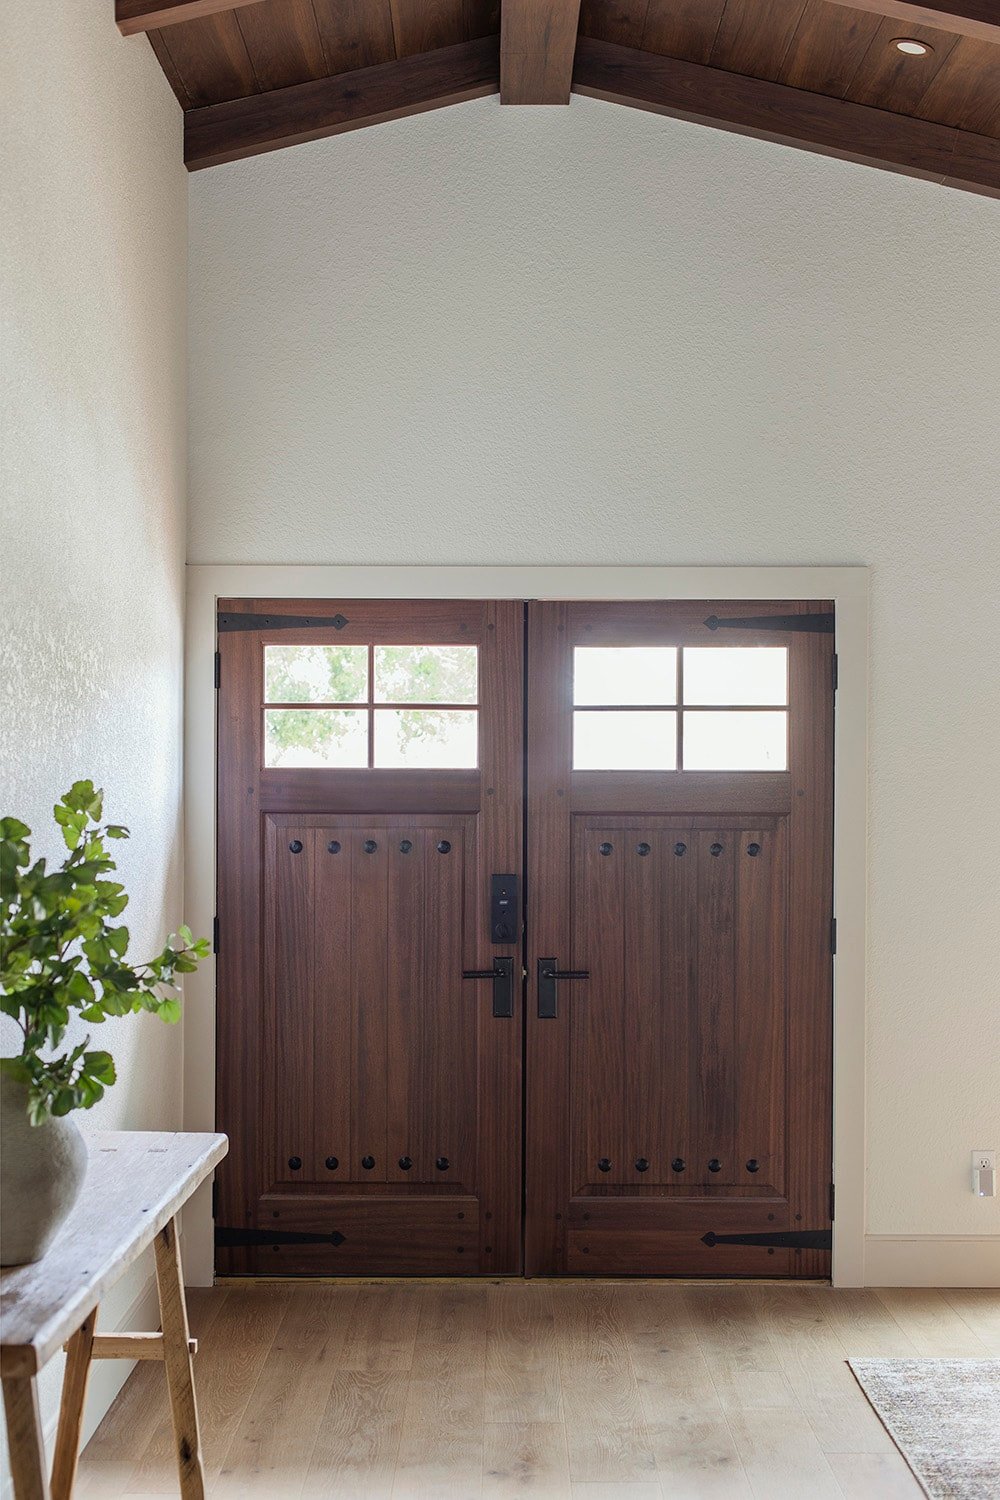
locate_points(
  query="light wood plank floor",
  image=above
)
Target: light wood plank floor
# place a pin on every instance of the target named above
(554, 1390)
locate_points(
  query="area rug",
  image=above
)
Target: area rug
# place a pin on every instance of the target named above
(944, 1416)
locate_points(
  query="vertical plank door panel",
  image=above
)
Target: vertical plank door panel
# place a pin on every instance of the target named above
(371, 1095)
(679, 1104)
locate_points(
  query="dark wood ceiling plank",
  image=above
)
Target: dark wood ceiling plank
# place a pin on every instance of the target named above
(827, 47)
(329, 106)
(158, 42)
(793, 117)
(283, 41)
(965, 90)
(354, 33)
(537, 43)
(620, 21)
(212, 59)
(423, 25)
(683, 28)
(976, 18)
(150, 15)
(888, 78)
(482, 18)
(754, 36)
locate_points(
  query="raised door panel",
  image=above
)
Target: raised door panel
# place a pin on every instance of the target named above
(678, 1062)
(679, 1099)
(362, 1079)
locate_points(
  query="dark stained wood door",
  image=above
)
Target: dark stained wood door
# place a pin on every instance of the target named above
(680, 781)
(370, 784)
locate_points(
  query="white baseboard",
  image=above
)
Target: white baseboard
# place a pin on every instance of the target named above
(932, 1260)
(107, 1376)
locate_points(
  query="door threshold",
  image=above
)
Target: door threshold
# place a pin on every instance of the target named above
(551, 1281)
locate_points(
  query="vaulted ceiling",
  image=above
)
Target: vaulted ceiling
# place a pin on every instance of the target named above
(822, 75)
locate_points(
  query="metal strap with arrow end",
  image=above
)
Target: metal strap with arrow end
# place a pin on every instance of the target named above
(824, 624)
(235, 1238)
(780, 1239)
(279, 622)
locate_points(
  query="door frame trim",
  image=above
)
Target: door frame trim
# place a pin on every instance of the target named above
(846, 586)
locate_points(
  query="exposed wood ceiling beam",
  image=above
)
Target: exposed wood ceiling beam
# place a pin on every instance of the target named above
(978, 18)
(793, 117)
(329, 106)
(149, 15)
(537, 43)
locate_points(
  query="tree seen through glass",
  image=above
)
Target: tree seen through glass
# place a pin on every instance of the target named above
(334, 675)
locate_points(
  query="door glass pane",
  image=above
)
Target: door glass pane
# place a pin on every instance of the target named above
(625, 741)
(426, 674)
(735, 741)
(445, 739)
(625, 674)
(735, 674)
(315, 737)
(315, 674)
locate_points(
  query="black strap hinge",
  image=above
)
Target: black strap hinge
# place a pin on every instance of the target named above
(781, 1239)
(814, 624)
(280, 622)
(229, 1239)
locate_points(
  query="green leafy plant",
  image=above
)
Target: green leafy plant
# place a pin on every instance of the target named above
(62, 953)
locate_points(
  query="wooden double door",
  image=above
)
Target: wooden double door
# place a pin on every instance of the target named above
(524, 937)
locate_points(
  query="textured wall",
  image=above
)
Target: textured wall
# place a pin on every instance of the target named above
(592, 335)
(93, 420)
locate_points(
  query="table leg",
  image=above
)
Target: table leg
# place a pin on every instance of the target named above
(177, 1360)
(24, 1439)
(74, 1394)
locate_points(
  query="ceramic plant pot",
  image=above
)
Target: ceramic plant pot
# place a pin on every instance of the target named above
(42, 1168)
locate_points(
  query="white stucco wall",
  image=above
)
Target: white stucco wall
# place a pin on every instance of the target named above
(92, 378)
(596, 336)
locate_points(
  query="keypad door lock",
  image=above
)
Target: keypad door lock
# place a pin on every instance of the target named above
(505, 916)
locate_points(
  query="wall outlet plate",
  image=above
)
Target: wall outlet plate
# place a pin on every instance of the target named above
(984, 1174)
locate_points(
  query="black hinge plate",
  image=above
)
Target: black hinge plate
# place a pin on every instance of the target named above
(833, 934)
(215, 934)
(218, 669)
(280, 622)
(781, 1239)
(238, 1238)
(835, 671)
(833, 1200)
(814, 624)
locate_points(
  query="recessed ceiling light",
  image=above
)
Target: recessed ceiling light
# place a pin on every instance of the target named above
(911, 47)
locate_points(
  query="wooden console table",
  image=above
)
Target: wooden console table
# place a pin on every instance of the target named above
(136, 1183)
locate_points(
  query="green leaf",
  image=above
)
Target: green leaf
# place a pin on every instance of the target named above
(169, 1010)
(80, 989)
(116, 831)
(100, 1065)
(117, 939)
(82, 797)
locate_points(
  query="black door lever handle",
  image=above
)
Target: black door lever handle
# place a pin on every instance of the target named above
(502, 975)
(549, 973)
